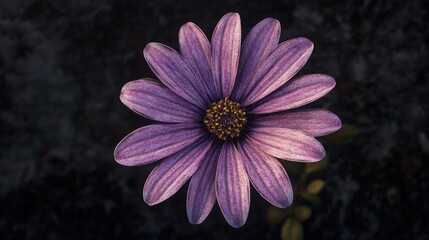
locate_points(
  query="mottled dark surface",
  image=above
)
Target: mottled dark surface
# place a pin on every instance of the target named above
(63, 63)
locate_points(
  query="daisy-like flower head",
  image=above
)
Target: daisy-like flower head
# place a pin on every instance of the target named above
(226, 114)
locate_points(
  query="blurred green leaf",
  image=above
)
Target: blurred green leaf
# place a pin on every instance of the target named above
(347, 131)
(292, 230)
(313, 198)
(315, 186)
(288, 211)
(302, 212)
(316, 166)
(275, 215)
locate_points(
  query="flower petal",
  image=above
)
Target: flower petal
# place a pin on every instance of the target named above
(267, 175)
(170, 175)
(173, 70)
(201, 191)
(226, 43)
(287, 144)
(259, 43)
(314, 122)
(153, 101)
(151, 143)
(281, 65)
(295, 93)
(232, 186)
(196, 49)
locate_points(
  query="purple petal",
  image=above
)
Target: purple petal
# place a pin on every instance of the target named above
(153, 101)
(170, 175)
(267, 175)
(287, 144)
(226, 43)
(259, 43)
(314, 122)
(196, 49)
(281, 65)
(232, 186)
(151, 143)
(295, 93)
(173, 70)
(201, 191)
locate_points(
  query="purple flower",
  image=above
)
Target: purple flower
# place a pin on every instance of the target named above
(226, 116)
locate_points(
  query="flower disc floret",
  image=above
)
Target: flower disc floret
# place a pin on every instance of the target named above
(225, 119)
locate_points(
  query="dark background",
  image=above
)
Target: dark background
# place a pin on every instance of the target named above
(63, 63)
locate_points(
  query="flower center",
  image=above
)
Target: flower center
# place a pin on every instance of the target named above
(225, 119)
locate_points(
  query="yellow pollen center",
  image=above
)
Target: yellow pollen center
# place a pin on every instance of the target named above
(225, 119)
